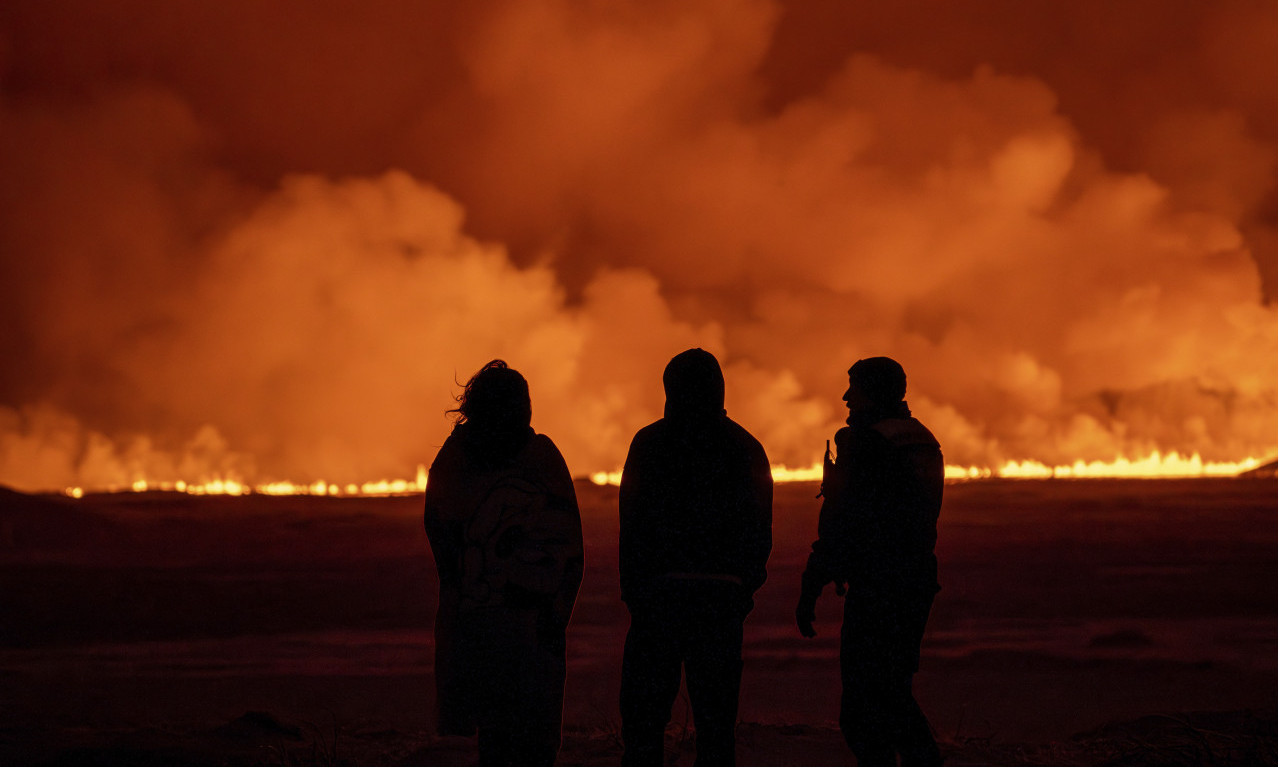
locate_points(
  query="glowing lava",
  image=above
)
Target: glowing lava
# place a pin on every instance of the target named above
(222, 486)
(1154, 466)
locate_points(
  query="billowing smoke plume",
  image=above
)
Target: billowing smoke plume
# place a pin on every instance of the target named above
(268, 240)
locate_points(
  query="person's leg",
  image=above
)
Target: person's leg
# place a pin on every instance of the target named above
(862, 723)
(865, 675)
(914, 739)
(650, 669)
(713, 669)
(537, 733)
(913, 734)
(499, 649)
(495, 747)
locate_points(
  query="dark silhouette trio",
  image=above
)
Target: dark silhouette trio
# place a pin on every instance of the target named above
(695, 510)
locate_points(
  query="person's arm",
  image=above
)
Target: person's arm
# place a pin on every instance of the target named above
(564, 496)
(759, 537)
(631, 544)
(834, 549)
(440, 495)
(822, 562)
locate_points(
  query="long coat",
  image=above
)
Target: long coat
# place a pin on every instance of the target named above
(505, 531)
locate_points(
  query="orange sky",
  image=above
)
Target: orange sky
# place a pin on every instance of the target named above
(265, 237)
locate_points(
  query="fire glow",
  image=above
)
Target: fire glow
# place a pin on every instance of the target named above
(376, 489)
(1072, 259)
(1153, 466)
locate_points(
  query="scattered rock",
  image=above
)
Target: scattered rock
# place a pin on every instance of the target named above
(255, 725)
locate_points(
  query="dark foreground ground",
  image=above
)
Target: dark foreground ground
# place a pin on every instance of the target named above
(1081, 623)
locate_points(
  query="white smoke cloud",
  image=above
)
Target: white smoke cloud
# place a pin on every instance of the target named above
(204, 286)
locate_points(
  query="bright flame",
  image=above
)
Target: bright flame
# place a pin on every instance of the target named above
(780, 473)
(1153, 466)
(606, 477)
(955, 473)
(233, 486)
(784, 473)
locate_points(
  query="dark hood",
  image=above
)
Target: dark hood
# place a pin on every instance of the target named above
(694, 386)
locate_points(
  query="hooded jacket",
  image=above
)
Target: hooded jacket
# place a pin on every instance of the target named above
(696, 490)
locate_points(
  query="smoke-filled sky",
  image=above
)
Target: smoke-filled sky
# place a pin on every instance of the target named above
(268, 237)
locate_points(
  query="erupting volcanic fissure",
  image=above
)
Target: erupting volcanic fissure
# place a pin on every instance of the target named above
(231, 257)
(1155, 466)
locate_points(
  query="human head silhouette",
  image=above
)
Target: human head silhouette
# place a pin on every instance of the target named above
(495, 400)
(875, 382)
(694, 385)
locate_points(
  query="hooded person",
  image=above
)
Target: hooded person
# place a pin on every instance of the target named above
(875, 541)
(502, 519)
(696, 530)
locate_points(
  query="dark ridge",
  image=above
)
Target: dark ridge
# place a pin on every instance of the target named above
(1264, 471)
(33, 524)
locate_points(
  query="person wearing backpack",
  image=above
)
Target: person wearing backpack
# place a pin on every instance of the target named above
(695, 510)
(502, 519)
(876, 540)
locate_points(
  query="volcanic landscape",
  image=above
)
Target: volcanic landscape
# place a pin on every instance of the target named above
(161, 628)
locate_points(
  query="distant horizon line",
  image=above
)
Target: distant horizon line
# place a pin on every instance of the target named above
(1154, 466)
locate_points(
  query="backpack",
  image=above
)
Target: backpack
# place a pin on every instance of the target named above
(517, 545)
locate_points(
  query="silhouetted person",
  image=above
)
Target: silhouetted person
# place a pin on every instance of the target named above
(503, 523)
(876, 534)
(696, 531)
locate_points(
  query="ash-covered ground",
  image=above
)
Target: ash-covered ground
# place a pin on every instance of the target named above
(1080, 622)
